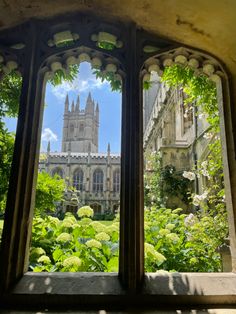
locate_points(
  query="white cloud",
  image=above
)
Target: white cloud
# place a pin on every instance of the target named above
(48, 135)
(78, 86)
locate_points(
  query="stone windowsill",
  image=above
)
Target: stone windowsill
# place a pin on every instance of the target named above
(73, 289)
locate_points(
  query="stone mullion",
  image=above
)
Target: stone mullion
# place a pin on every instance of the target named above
(19, 208)
(131, 265)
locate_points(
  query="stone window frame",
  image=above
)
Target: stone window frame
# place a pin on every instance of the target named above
(79, 181)
(97, 207)
(116, 181)
(131, 286)
(98, 181)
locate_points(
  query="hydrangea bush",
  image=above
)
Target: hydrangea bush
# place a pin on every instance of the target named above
(173, 241)
(74, 245)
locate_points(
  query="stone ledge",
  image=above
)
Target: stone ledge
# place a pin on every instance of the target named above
(96, 289)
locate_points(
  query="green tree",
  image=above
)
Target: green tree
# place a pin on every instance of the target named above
(10, 87)
(49, 191)
(6, 148)
(10, 90)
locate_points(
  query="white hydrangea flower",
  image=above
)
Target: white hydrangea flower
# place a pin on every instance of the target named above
(54, 220)
(64, 237)
(112, 228)
(170, 226)
(150, 250)
(201, 116)
(197, 199)
(72, 261)
(207, 135)
(85, 211)
(44, 259)
(189, 220)
(66, 223)
(164, 232)
(204, 170)
(189, 175)
(102, 236)
(173, 237)
(98, 227)
(94, 243)
(37, 251)
(85, 221)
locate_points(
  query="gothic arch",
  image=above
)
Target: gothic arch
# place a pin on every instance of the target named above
(97, 208)
(47, 55)
(57, 171)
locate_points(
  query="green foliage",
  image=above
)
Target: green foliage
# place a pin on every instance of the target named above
(106, 45)
(49, 190)
(173, 241)
(201, 93)
(110, 77)
(6, 148)
(10, 89)
(74, 245)
(147, 85)
(200, 90)
(188, 242)
(61, 75)
(161, 183)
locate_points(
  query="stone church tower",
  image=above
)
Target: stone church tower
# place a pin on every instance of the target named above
(80, 127)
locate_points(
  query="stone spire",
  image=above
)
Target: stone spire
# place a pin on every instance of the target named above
(77, 107)
(66, 104)
(89, 105)
(108, 149)
(97, 112)
(48, 147)
(89, 99)
(73, 106)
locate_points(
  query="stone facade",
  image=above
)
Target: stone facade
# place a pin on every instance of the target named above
(176, 131)
(94, 176)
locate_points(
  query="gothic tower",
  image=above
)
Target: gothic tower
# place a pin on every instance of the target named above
(80, 127)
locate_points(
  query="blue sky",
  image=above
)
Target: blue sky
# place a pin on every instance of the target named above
(109, 105)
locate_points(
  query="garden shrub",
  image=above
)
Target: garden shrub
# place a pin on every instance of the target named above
(173, 241)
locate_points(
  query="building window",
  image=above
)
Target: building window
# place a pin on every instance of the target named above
(116, 181)
(58, 172)
(187, 112)
(78, 180)
(98, 181)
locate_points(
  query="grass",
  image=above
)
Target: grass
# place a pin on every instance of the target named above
(106, 222)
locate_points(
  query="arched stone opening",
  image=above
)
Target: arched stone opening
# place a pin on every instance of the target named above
(131, 257)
